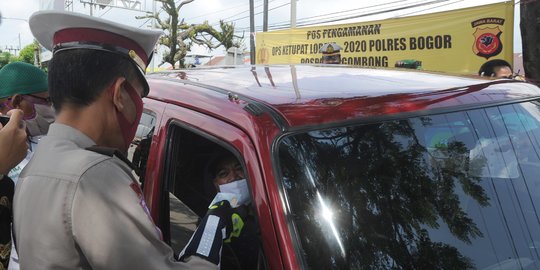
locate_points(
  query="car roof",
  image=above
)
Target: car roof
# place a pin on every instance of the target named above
(305, 95)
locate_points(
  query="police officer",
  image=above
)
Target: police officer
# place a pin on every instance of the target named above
(330, 53)
(496, 68)
(76, 204)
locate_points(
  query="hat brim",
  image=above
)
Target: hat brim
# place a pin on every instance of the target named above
(335, 47)
(44, 24)
(331, 54)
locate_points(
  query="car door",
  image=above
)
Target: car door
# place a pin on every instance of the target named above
(187, 141)
(141, 153)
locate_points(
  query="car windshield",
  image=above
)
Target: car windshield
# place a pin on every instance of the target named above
(458, 190)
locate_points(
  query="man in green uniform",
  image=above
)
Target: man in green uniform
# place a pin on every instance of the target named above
(24, 86)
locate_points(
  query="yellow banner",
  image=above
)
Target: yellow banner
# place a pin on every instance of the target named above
(457, 41)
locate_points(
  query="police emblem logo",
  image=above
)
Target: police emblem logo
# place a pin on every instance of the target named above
(140, 197)
(487, 40)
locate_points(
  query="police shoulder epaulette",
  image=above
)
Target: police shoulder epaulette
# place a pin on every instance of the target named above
(111, 152)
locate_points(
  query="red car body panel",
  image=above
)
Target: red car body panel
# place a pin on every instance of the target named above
(324, 95)
(260, 104)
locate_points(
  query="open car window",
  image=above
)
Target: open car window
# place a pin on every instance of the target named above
(189, 176)
(448, 191)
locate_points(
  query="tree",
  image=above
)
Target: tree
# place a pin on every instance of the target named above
(5, 58)
(179, 36)
(27, 54)
(530, 29)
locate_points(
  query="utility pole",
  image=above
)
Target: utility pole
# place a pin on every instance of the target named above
(293, 67)
(154, 26)
(293, 13)
(530, 23)
(11, 49)
(36, 55)
(265, 16)
(68, 5)
(252, 31)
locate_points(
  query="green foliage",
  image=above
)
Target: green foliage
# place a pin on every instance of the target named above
(27, 53)
(6, 58)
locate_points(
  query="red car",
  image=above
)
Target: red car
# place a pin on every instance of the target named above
(352, 168)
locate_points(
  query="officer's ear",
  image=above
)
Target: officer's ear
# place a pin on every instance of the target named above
(117, 97)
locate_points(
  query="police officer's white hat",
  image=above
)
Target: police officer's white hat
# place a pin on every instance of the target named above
(62, 30)
(330, 48)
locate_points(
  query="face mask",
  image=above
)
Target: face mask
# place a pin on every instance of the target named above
(240, 188)
(129, 129)
(38, 124)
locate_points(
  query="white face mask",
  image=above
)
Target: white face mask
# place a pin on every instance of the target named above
(239, 188)
(39, 125)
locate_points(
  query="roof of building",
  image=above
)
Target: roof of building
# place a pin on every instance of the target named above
(217, 60)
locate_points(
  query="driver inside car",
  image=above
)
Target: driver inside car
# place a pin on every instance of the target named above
(241, 250)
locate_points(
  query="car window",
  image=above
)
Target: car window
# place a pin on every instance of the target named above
(140, 146)
(193, 162)
(449, 191)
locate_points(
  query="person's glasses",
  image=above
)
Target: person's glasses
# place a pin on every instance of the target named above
(39, 100)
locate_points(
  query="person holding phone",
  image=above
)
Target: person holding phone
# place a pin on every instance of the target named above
(13, 148)
(24, 86)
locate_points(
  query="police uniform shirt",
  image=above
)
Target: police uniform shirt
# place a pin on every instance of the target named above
(78, 209)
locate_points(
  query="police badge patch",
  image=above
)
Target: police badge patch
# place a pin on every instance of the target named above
(137, 189)
(487, 40)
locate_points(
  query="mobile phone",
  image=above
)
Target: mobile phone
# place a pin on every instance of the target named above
(4, 119)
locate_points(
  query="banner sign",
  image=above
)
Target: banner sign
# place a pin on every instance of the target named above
(457, 41)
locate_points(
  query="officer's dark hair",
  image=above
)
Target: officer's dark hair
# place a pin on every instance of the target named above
(79, 76)
(488, 68)
(211, 170)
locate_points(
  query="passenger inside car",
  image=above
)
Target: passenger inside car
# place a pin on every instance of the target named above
(196, 170)
(227, 175)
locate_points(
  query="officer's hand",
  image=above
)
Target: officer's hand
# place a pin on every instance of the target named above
(13, 142)
(214, 228)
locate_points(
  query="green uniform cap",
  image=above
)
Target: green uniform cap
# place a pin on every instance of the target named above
(21, 78)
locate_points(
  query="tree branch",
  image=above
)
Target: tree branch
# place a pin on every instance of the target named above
(179, 36)
(185, 2)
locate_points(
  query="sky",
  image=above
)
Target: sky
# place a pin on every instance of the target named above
(14, 30)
